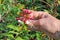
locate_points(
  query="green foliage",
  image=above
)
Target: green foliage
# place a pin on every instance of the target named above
(10, 9)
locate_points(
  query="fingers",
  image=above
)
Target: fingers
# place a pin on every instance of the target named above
(32, 22)
(31, 14)
(37, 15)
(27, 14)
(34, 14)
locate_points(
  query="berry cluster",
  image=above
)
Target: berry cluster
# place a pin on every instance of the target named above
(24, 15)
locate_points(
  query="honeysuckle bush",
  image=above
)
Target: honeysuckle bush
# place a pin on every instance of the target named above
(11, 29)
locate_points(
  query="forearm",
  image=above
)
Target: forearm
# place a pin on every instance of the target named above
(57, 33)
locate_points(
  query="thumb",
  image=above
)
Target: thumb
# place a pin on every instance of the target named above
(32, 22)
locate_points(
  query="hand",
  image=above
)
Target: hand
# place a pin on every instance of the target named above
(41, 21)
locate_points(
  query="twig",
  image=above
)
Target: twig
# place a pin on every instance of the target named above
(0, 32)
(46, 3)
(32, 4)
(15, 2)
(32, 1)
(6, 14)
(55, 7)
(24, 0)
(5, 38)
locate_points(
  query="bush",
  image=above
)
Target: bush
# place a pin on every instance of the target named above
(10, 29)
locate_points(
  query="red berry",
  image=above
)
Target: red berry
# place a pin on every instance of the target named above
(21, 14)
(29, 12)
(23, 19)
(17, 18)
(30, 17)
(26, 11)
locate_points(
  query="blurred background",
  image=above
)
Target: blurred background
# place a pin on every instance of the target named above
(10, 29)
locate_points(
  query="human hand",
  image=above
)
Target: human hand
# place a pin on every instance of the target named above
(41, 21)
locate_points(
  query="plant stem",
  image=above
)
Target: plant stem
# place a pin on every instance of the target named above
(5, 38)
(55, 7)
(45, 3)
(33, 4)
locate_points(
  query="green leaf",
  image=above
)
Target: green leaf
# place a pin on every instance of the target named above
(58, 9)
(13, 32)
(13, 27)
(7, 34)
(0, 1)
(59, 1)
(38, 36)
(46, 10)
(20, 6)
(19, 38)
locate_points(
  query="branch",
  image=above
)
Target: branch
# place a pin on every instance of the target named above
(45, 3)
(55, 7)
(5, 38)
(32, 4)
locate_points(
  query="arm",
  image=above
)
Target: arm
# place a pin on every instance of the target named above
(44, 22)
(57, 33)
